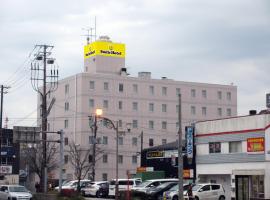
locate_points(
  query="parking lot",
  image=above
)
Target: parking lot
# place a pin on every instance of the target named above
(94, 198)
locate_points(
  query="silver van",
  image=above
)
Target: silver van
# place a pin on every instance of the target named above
(123, 184)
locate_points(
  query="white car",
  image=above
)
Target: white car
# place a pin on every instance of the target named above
(73, 184)
(123, 184)
(144, 186)
(96, 188)
(14, 192)
(208, 191)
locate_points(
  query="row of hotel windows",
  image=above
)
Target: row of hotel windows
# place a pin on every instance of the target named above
(234, 147)
(104, 141)
(134, 159)
(193, 92)
(151, 107)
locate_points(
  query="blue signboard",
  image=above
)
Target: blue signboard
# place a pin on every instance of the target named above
(189, 138)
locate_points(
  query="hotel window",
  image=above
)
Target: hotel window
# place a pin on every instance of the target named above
(151, 107)
(105, 158)
(193, 93)
(121, 141)
(214, 147)
(177, 125)
(134, 123)
(177, 108)
(193, 110)
(66, 159)
(134, 159)
(104, 177)
(164, 125)
(151, 90)
(219, 111)
(66, 88)
(120, 123)
(90, 158)
(219, 95)
(105, 140)
(164, 107)
(135, 106)
(164, 91)
(164, 141)
(66, 106)
(106, 86)
(135, 88)
(235, 147)
(229, 112)
(120, 105)
(92, 85)
(178, 91)
(120, 159)
(229, 96)
(151, 142)
(204, 111)
(134, 141)
(151, 124)
(91, 103)
(105, 104)
(204, 94)
(66, 141)
(121, 87)
(66, 123)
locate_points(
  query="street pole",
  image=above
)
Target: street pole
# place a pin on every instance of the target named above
(61, 160)
(94, 149)
(44, 120)
(1, 119)
(180, 158)
(117, 152)
(141, 146)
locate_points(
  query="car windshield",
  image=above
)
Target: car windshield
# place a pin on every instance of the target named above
(17, 189)
(163, 185)
(174, 188)
(196, 187)
(144, 184)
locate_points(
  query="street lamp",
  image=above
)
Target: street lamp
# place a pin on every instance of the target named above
(112, 125)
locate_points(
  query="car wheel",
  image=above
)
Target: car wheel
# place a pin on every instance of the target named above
(196, 198)
(83, 193)
(175, 198)
(222, 198)
(98, 194)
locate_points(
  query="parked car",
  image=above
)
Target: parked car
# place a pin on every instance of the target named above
(96, 188)
(172, 194)
(73, 184)
(12, 192)
(208, 191)
(156, 193)
(123, 184)
(144, 186)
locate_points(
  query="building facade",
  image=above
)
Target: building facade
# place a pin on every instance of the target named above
(236, 153)
(149, 105)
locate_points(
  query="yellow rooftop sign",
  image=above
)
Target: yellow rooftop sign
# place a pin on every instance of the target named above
(104, 48)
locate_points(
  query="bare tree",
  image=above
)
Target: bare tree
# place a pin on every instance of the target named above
(35, 159)
(82, 161)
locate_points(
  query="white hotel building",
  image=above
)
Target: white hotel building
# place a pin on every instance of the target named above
(150, 105)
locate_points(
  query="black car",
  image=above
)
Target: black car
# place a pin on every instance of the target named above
(157, 192)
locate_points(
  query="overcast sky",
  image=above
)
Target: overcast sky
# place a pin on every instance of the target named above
(223, 42)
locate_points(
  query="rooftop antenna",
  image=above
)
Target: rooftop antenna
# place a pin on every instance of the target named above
(91, 33)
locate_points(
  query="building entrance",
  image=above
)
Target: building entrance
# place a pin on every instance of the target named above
(242, 187)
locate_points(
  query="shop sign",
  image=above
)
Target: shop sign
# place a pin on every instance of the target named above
(189, 138)
(104, 48)
(255, 145)
(155, 154)
(188, 173)
(145, 169)
(6, 169)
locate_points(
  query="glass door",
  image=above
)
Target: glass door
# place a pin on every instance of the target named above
(242, 187)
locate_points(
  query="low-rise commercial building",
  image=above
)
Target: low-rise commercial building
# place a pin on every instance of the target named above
(235, 152)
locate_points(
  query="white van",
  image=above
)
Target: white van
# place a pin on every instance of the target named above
(123, 184)
(152, 183)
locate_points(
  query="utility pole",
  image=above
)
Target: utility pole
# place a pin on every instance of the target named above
(180, 157)
(94, 149)
(141, 146)
(49, 83)
(1, 121)
(61, 159)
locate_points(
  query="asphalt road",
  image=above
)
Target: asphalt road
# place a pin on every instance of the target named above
(94, 198)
